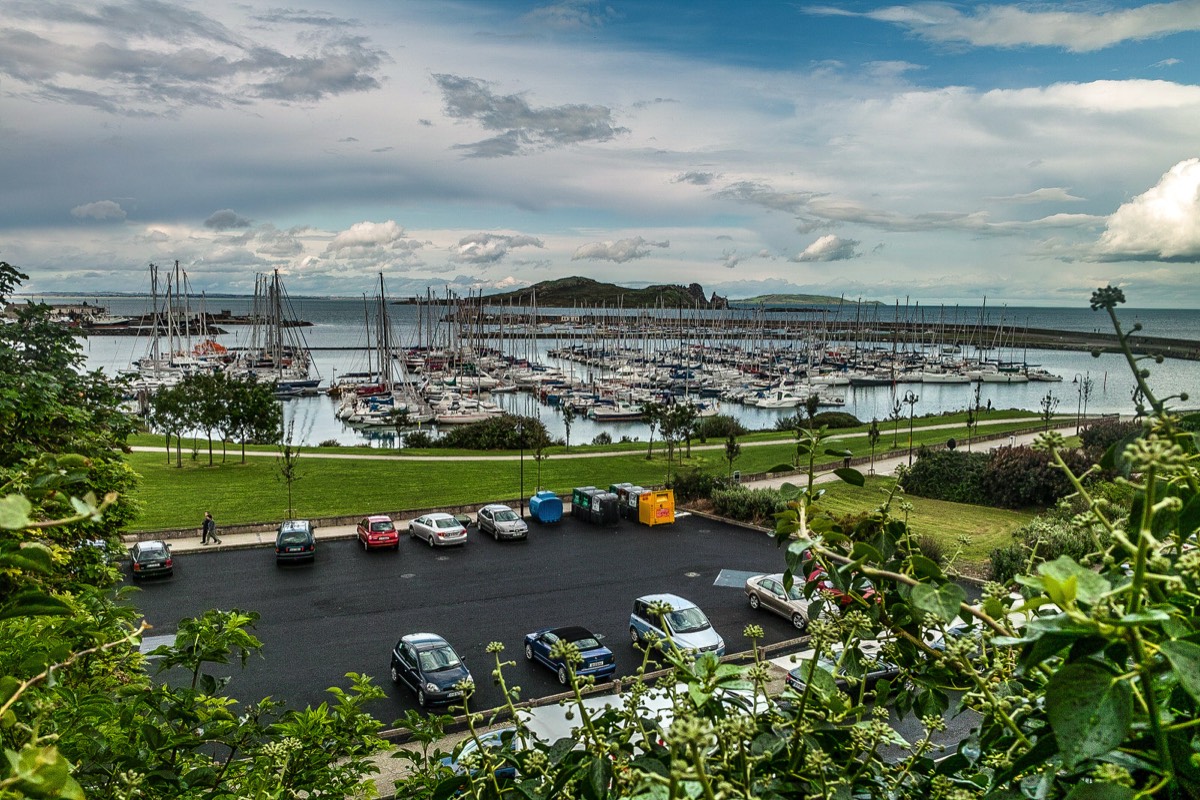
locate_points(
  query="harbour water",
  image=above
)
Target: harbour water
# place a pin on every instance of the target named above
(339, 340)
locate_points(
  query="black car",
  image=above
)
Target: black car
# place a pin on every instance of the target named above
(295, 541)
(149, 558)
(428, 665)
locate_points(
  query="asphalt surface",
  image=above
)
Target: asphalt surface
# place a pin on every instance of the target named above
(345, 611)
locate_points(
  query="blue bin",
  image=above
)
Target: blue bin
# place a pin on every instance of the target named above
(546, 507)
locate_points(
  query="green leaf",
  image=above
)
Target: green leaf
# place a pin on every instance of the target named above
(599, 774)
(14, 512)
(942, 601)
(789, 491)
(850, 475)
(925, 567)
(1189, 518)
(1185, 659)
(865, 552)
(32, 603)
(1090, 586)
(795, 554)
(1100, 791)
(31, 556)
(1089, 710)
(838, 453)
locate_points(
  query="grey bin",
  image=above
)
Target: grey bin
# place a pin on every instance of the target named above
(629, 509)
(605, 509)
(581, 501)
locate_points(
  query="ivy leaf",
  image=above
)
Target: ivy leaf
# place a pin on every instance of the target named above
(14, 512)
(850, 475)
(789, 491)
(1100, 791)
(31, 556)
(32, 603)
(1090, 587)
(942, 601)
(1089, 710)
(1185, 658)
(1189, 518)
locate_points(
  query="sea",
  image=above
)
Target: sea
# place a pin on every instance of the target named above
(339, 342)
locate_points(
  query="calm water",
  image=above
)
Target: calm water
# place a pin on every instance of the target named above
(339, 323)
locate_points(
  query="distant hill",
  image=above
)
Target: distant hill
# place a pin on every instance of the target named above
(784, 300)
(585, 292)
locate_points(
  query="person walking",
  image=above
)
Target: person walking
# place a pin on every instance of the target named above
(208, 529)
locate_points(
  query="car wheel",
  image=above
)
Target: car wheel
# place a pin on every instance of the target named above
(562, 675)
(798, 621)
(364, 544)
(395, 674)
(431, 541)
(754, 601)
(496, 534)
(422, 700)
(396, 546)
(529, 652)
(633, 636)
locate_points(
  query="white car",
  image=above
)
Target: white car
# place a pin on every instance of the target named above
(438, 530)
(502, 522)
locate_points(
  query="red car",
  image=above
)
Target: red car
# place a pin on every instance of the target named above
(378, 531)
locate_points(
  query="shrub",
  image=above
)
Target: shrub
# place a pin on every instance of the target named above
(697, 485)
(1102, 434)
(748, 505)
(932, 548)
(418, 439)
(497, 433)
(951, 475)
(722, 426)
(604, 437)
(1021, 477)
(1044, 539)
(330, 443)
(835, 419)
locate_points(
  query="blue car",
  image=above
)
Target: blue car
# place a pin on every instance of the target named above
(427, 664)
(597, 659)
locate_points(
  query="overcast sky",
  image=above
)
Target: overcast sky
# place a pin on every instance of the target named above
(939, 151)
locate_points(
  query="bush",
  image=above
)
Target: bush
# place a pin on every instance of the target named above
(1044, 539)
(418, 439)
(951, 475)
(497, 433)
(1096, 438)
(1021, 477)
(932, 548)
(835, 419)
(748, 505)
(330, 443)
(697, 485)
(722, 426)
(604, 437)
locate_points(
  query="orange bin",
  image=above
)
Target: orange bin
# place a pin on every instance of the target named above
(657, 507)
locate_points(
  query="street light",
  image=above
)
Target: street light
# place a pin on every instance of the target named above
(1078, 381)
(910, 399)
(521, 436)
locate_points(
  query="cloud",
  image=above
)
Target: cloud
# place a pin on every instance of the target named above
(152, 58)
(572, 15)
(523, 127)
(488, 248)
(226, 219)
(1167, 62)
(1052, 194)
(696, 178)
(1014, 26)
(829, 248)
(761, 194)
(374, 245)
(103, 210)
(620, 251)
(278, 244)
(1162, 224)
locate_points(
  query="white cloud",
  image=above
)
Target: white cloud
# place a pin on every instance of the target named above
(103, 210)
(1162, 224)
(1051, 194)
(488, 248)
(366, 235)
(619, 251)
(829, 248)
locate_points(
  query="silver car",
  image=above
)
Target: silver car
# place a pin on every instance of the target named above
(438, 530)
(502, 522)
(767, 591)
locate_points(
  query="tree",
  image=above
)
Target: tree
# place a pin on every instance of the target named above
(568, 412)
(873, 440)
(732, 451)
(896, 415)
(1048, 405)
(653, 413)
(973, 416)
(811, 405)
(287, 465)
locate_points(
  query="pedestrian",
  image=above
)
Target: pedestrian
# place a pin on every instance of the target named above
(208, 529)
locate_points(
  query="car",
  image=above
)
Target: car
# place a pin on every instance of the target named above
(438, 529)
(870, 670)
(294, 541)
(378, 531)
(860, 592)
(502, 522)
(427, 664)
(505, 741)
(687, 625)
(149, 558)
(768, 592)
(598, 660)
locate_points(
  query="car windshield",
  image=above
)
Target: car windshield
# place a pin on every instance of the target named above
(293, 537)
(380, 527)
(687, 620)
(507, 515)
(587, 643)
(447, 523)
(438, 659)
(153, 551)
(794, 593)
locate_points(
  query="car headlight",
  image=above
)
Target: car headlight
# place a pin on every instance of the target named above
(432, 687)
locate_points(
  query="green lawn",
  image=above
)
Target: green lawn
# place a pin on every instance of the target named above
(985, 528)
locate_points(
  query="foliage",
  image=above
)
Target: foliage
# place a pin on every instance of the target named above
(719, 426)
(951, 475)
(1021, 477)
(505, 432)
(747, 505)
(241, 409)
(697, 485)
(602, 438)
(826, 419)
(419, 439)
(1098, 436)
(732, 451)
(1046, 538)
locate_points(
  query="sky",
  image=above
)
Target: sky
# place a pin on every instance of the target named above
(1025, 153)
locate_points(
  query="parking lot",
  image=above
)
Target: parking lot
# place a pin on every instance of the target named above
(344, 612)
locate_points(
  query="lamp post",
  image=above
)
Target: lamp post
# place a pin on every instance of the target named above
(1078, 381)
(521, 436)
(910, 399)
(1085, 389)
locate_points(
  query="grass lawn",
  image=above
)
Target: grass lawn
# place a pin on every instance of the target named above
(985, 528)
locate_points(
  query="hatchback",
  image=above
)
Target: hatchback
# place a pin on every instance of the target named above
(688, 628)
(427, 664)
(501, 522)
(438, 530)
(294, 541)
(378, 531)
(151, 557)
